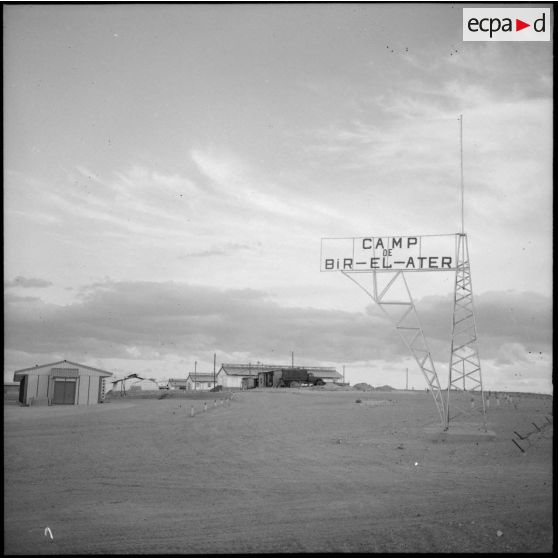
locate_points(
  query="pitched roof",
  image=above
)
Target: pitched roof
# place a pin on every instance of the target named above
(254, 369)
(62, 362)
(201, 377)
(324, 372)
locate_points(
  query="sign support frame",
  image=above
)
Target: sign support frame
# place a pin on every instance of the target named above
(410, 330)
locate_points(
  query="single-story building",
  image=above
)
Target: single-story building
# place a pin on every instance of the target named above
(200, 381)
(61, 383)
(230, 375)
(242, 376)
(178, 383)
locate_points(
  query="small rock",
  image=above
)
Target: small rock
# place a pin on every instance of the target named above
(499, 533)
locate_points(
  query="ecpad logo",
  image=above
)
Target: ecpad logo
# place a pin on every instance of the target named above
(506, 24)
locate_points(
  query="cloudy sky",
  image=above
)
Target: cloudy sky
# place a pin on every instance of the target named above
(170, 170)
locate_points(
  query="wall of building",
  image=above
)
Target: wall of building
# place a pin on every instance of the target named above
(231, 381)
(40, 385)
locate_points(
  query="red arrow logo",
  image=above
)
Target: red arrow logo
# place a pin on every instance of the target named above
(519, 25)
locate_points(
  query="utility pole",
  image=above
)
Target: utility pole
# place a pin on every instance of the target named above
(292, 359)
(407, 379)
(214, 358)
(343, 374)
(195, 375)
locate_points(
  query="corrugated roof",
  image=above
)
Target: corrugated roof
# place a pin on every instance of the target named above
(62, 362)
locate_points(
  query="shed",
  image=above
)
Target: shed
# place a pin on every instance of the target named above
(178, 383)
(61, 383)
(231, 375)
(199, 381)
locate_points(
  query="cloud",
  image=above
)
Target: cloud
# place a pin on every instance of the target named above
(27, 282)
(249, 190)
(166, 322)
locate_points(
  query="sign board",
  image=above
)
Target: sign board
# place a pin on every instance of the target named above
(390, 253)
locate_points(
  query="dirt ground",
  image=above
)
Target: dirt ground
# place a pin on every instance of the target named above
(277, 471)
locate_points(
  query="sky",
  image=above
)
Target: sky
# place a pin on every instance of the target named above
(170, 171)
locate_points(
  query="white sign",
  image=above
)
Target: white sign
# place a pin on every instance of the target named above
(390, 253)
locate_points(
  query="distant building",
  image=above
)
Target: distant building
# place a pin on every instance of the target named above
(199, 381)
(240, 376)
(61, 383)
(230, 375)
(178, 383)
(143, 385)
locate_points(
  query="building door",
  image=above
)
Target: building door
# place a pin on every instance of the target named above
(22, 383)
(64, 392)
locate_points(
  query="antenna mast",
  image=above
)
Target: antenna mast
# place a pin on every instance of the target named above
(461, 159)
(465, 365)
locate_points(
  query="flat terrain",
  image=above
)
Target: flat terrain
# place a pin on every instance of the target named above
(280, 470)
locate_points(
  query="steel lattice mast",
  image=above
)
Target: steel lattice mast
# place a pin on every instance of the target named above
(465, 367)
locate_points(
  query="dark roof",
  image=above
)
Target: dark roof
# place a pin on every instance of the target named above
(324, 372)
(61, 362)
(254, 369)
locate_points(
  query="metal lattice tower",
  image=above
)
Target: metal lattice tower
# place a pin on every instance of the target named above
(465, 368)
(399, 307)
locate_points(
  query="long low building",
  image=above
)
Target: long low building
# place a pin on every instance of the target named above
(240, 376)
(61, 383)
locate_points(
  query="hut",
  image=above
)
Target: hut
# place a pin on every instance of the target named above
(230, 376)
(178, 383)
(199, 381)
(61, 383)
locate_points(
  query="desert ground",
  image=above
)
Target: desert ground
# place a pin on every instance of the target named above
(278, 471)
